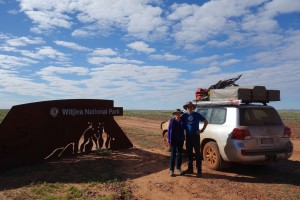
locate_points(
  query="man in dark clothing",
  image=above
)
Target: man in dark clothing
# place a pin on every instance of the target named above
(191, 120)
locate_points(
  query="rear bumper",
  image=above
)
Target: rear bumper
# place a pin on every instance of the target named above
(236, 153)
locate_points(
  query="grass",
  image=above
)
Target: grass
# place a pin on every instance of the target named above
(84, 191)
(161, 115)
(3, 113)
(290, 114)
(110, 189)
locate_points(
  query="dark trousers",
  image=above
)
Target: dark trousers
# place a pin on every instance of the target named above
(176, 154)
(193, 143)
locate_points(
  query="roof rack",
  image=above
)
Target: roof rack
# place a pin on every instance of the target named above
(235, 102)
(229, 102)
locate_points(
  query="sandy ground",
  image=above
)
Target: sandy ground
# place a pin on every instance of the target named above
(148, 172)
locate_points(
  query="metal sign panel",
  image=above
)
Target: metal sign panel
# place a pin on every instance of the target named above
(45, 130)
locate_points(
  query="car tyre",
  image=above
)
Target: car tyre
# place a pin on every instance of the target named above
(168, 148)
(211, 156)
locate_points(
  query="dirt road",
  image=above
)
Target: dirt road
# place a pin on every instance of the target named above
(149, 178)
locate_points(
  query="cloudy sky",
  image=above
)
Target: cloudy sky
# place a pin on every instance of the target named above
(146, 54)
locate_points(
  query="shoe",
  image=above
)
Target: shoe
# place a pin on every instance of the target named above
(171, 173)
(199, 174)
(188, 171)
(179, 171)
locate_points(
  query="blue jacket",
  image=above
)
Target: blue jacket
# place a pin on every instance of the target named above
(171, 132)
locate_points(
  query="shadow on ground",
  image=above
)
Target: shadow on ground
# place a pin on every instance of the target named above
(122, 165)
(282, 172)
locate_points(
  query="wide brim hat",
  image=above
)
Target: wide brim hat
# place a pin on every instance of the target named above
(189, 103)
(177, 111)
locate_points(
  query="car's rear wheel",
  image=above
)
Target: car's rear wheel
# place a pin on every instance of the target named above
(211, 156)
(166, 141)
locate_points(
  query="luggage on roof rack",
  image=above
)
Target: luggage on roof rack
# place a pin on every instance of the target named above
(247, 94)
(227, 90)
(203, 94)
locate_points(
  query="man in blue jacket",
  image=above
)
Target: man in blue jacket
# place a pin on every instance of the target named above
(191, 120)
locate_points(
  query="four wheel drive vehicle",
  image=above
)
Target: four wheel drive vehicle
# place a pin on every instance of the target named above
(241, 133)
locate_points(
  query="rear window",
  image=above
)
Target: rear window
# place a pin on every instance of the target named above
(259, 117)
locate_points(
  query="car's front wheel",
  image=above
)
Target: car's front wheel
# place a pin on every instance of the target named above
(211, 156)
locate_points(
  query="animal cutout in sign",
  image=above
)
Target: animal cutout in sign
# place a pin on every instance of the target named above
(47, 130)
(92, 137)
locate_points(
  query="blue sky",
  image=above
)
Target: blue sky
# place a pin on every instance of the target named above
(146, 54)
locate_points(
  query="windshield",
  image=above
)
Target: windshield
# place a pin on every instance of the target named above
(259, 116)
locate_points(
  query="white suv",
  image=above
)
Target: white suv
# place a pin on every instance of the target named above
(242, 133)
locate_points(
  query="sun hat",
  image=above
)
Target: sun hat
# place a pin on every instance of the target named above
(177, 111)
(189, 103)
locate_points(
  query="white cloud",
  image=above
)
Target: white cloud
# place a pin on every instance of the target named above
(208, 20)
(8, 61)
(286, 53)
(52, 70)
(288, 74)
(110, 81)
(47, 14)
(45, 52)
(148, 76)
(264, 20)
(166, 56)
(214, 60)
(229, 62)
(13, 12)
(141, 47)
(207, 59)
(104, 52)
(242, 22)
(140, 18)
(206, 71)
(23, 41)
(71, 45)
(47, 20)
(182, 11)
(13, 82)
(83, 33)
(109, 60)
(277, 7)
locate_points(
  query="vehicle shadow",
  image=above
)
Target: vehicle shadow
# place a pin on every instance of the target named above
(283, 172)
(86, 168)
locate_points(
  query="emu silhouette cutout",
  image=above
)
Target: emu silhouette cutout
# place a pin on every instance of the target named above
(38, 131)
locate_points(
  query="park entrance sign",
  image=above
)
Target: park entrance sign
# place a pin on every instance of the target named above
(46, 130)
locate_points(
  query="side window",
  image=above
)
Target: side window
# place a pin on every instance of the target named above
(205, 112)
(218, 116)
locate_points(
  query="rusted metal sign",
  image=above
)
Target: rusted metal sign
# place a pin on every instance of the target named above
(45, 130)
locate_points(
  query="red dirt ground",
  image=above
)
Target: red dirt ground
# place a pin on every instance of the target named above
(146, 173)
